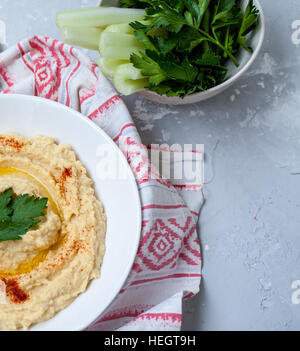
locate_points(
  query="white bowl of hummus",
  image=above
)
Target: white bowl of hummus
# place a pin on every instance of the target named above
(64, 270)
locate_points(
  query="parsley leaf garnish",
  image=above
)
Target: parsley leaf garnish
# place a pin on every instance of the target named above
(18, 214)
(5, 200)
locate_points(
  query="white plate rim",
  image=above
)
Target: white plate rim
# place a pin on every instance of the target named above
(137, 237)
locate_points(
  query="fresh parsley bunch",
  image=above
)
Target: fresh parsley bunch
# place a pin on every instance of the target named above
(189, 42)
(18, 214)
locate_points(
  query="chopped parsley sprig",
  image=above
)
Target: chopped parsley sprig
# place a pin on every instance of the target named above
(189, 42)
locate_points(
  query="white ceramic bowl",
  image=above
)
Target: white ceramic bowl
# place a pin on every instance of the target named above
(245, 59)
(29, 116)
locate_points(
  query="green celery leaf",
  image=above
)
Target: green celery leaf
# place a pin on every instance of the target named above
(249, 22)
(166, 17)
(149, 68)
(196, 11)
(146, 40)
(172, 68)
(187, 39)
(209, 58)
(165, 45)
(227, 14)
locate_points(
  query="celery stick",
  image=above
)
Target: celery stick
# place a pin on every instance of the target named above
(86, 37)
(98, 17)
(129, 80)
(124, 28)
(118, 45)
(109, 65)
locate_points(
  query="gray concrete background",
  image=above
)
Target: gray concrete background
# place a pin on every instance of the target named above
(249, 226)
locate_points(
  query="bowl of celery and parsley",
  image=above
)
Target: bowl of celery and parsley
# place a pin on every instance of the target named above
(171, 51)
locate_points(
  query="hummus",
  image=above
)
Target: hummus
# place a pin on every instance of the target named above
(54, 262)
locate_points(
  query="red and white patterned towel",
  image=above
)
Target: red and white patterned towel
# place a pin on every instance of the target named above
(167, 268)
